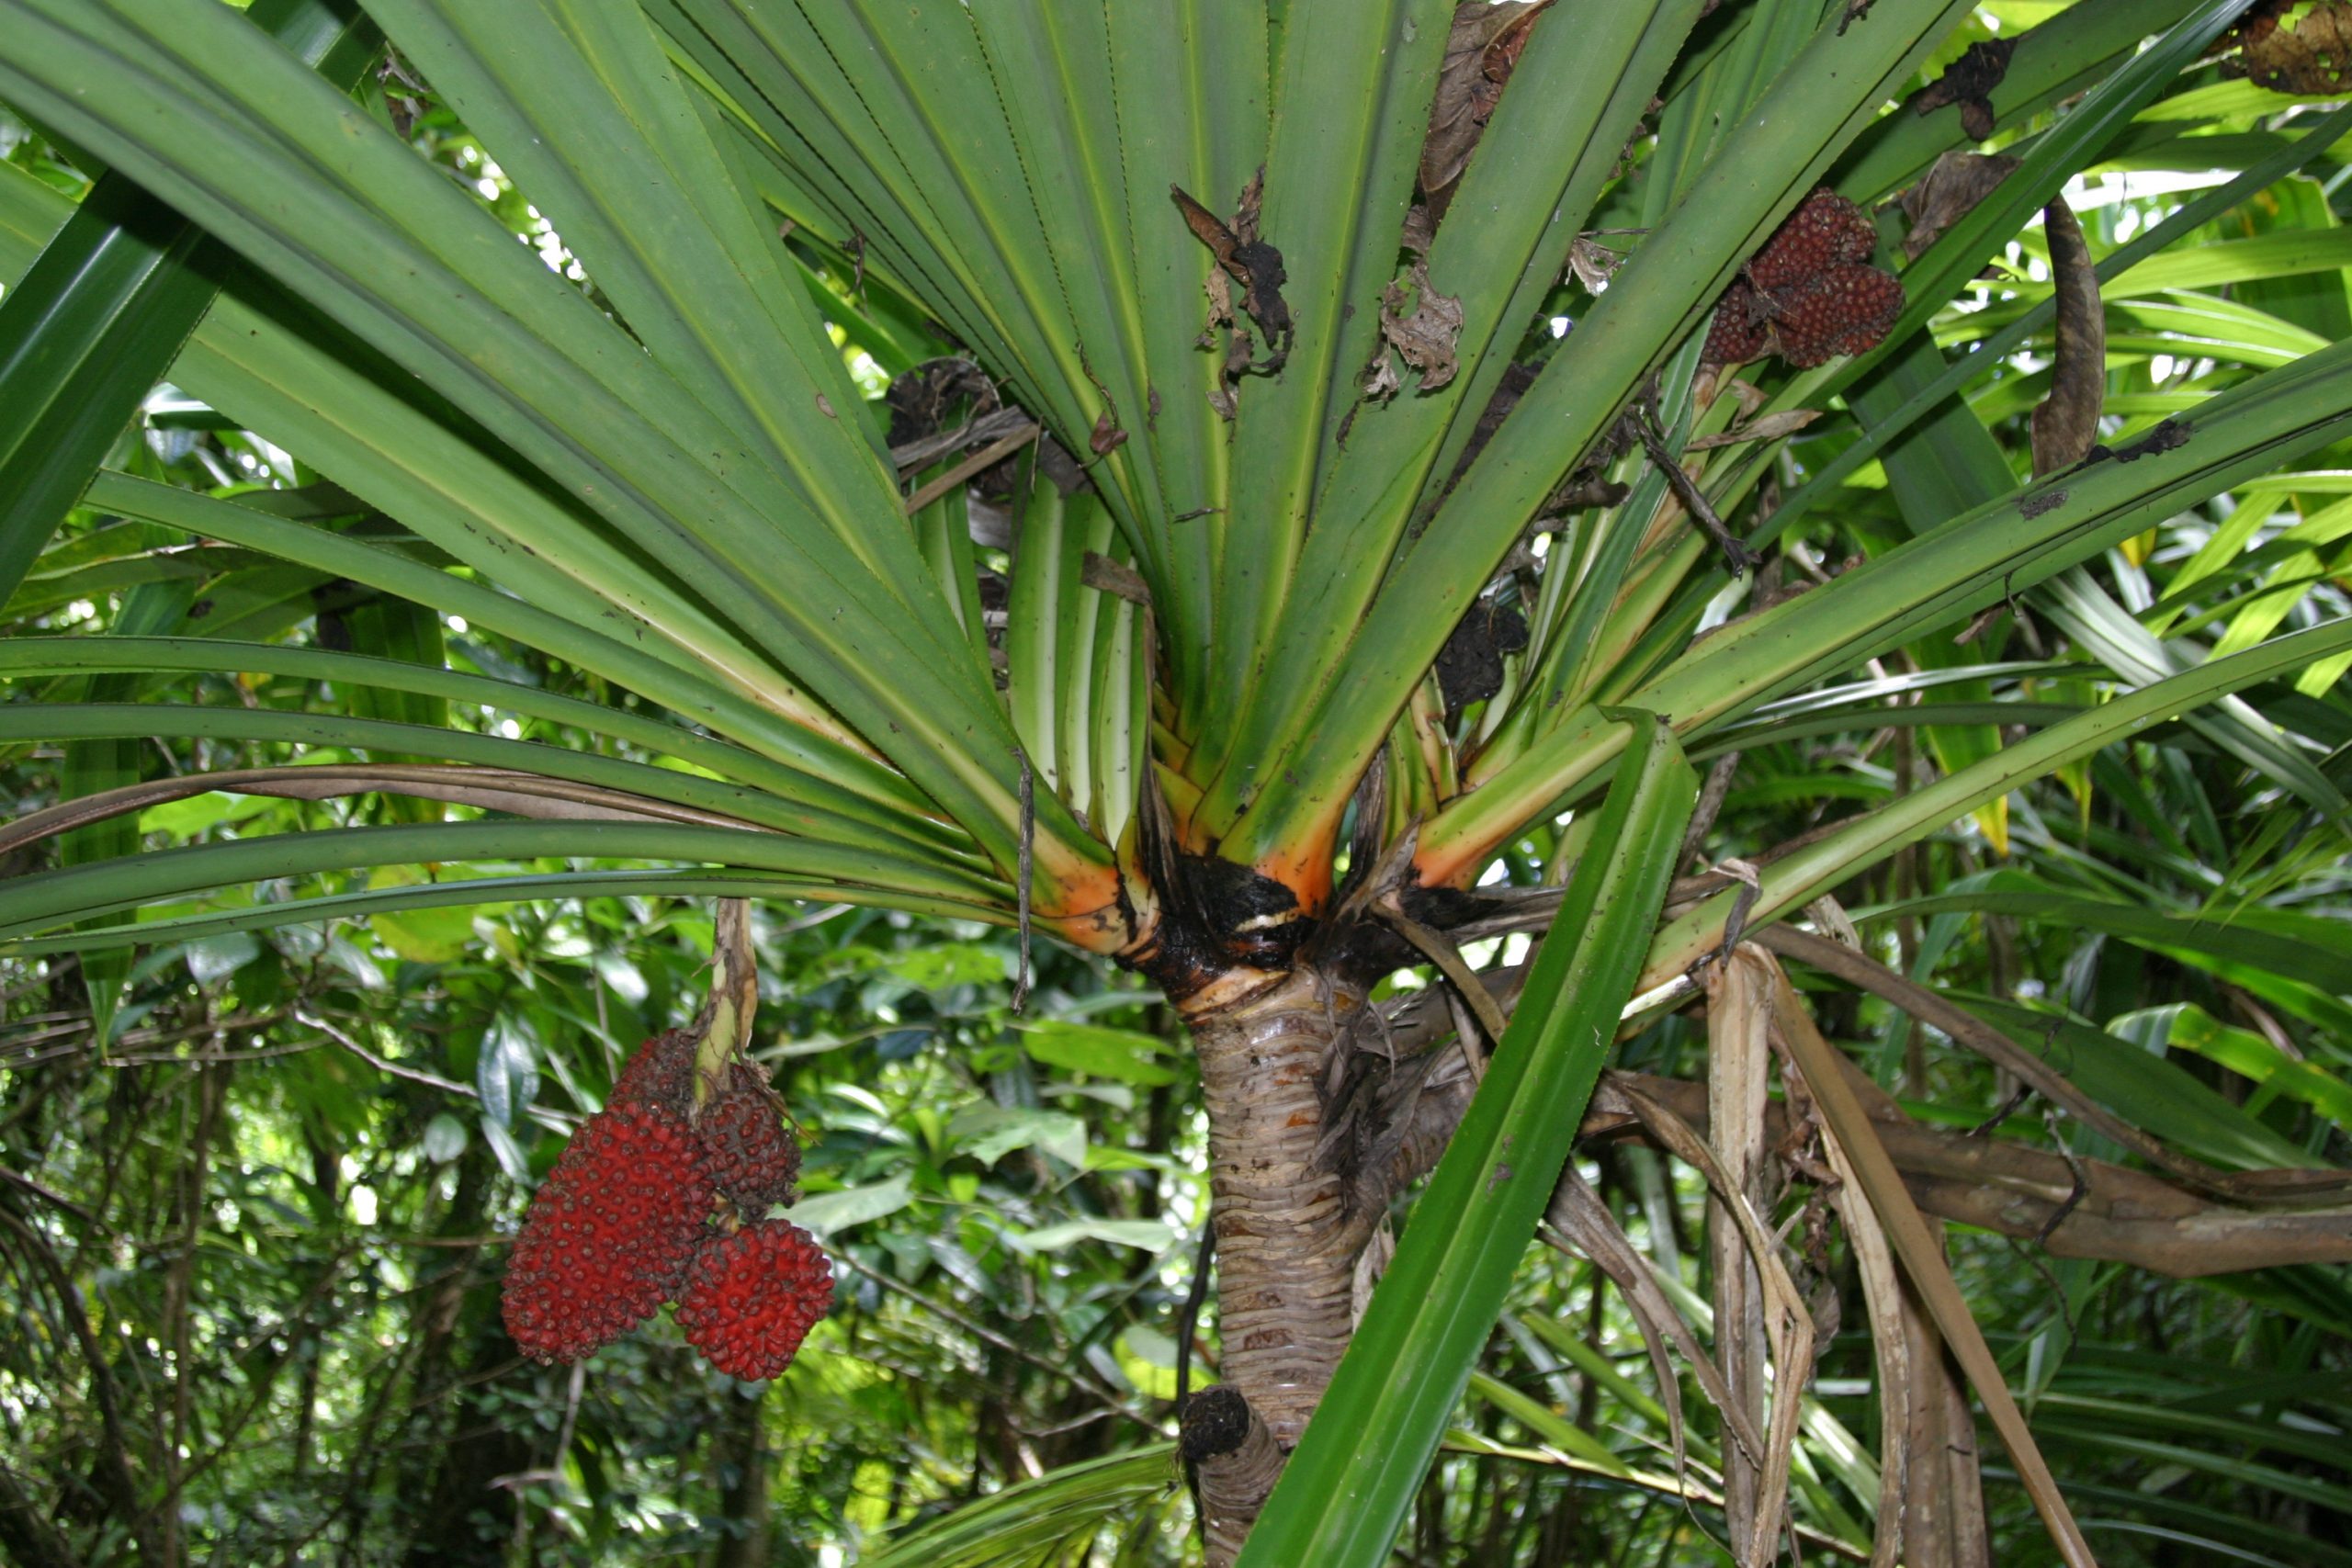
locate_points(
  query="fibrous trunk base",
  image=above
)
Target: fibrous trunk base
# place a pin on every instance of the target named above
(1287, 1235)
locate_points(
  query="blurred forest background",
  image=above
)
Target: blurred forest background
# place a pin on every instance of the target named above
(252, 1217)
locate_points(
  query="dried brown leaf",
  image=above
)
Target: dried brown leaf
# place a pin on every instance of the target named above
(1099, 572)
(1480, 54)
(1882, 1298)
(1969, 82)
(1419, 228)
(1425, 339)
(1245, 211)
(1787, 1324)
(1738, 1070)
(1593, 263)
(1206, 227)
(2065, 425)
(1948, 193)
(1924, 1263)
(2289, 48)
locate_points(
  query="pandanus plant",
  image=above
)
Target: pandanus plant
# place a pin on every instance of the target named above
(1319, 468)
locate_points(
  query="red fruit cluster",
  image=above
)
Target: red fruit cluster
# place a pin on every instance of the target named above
(624, 1223)
(744, 1146)
(1810, 294)
(611, 1235)
(754, 1296)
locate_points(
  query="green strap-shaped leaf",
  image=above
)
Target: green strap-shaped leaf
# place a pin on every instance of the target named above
(1363, 1455)
(96, 322)
(49, 899)
(1018, 1523)
(376, 239)
(490, 892)
(1791, 882)
(1320, 722)
(1581, 90)
(2249, 429)
(108, 762)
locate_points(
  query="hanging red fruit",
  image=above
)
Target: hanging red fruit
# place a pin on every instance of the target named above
(660, 1073)
(647, 1203)
(746, 1149)
(611, 1233)
(741, 1136)
(752, 1297)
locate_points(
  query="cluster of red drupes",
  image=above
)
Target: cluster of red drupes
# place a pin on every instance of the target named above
(1810, 294)
(651, 1203)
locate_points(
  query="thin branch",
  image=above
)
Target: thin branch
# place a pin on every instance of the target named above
(448, 1086)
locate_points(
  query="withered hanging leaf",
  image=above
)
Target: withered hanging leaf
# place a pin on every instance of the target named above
(2065, 425)
(2293, 46)
(1969, 82)
(1949, 191)
(1470, 665)
(1249, 261)
(1424, 340)
(1480, 54)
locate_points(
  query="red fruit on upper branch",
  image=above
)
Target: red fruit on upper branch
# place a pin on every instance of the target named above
(1738, 333)
(611, 1233)
(1809, 295)
(1845, 311)
(754, 1296)
(1827, 231)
